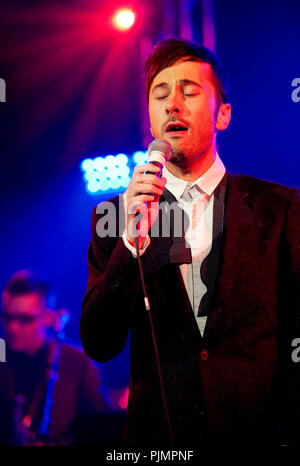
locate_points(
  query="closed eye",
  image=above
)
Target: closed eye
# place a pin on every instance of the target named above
(160, 97)
(190, 90)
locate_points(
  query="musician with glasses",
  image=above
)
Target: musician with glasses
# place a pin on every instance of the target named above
(44, 383)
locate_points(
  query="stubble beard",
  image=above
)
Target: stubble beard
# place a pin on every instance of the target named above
(181, 157)
(178, 157)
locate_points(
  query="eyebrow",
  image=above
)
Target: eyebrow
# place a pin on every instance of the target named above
(183, 82)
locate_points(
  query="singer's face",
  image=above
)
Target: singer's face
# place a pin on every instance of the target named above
(184, 93)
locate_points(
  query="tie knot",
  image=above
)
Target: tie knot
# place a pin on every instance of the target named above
(192, 192)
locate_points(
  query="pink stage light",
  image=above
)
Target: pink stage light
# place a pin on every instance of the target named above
(124, 19)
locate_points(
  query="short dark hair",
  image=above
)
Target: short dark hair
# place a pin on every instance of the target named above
(27, 282)
(169, 51)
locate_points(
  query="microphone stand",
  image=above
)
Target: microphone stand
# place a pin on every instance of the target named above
(159, 151)
(148, 310)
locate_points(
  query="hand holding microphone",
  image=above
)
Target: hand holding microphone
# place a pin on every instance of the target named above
(145, 188)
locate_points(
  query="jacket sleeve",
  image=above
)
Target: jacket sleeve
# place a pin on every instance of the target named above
(110, 295)
(92, 392)
(289, 315)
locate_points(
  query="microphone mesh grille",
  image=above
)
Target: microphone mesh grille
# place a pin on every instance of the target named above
(163, 146)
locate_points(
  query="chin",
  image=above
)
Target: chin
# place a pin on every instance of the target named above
(179, 151)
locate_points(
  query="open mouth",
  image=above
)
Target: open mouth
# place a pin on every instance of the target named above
(176, 127)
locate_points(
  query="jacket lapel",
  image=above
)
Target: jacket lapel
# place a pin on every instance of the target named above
(237, 219)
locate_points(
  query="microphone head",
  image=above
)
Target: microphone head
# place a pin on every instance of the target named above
(162, 146)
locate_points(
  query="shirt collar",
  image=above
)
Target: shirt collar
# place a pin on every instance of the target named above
(207, 182)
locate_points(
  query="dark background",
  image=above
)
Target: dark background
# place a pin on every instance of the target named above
(73, 90)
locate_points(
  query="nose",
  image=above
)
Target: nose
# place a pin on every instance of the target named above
(172, 108)
(13, 327)
(174, 104)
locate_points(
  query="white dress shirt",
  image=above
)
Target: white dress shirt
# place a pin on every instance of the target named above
(196, 199)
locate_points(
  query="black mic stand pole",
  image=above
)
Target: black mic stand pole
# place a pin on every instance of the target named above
(148, 310)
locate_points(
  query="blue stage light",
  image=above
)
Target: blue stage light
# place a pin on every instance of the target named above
(86, 164)
(115, 183)
(109, 161)
(124, 171)
(125, 181)
(111, 173)
(140, 157)
(98, 163)
(104, 185)
(121, 160)
(93, 186)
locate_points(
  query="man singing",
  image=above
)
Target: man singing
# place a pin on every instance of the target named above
(224, 302)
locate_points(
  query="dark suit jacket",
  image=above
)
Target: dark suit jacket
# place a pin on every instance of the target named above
(245, 389)
(77, 392)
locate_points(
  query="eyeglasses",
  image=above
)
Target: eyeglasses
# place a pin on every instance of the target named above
(22, 319)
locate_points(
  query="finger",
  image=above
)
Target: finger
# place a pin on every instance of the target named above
(148, 188)
(139, 200)
(146, 167)
(148, 178)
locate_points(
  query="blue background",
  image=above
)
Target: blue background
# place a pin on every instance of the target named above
(45, 211)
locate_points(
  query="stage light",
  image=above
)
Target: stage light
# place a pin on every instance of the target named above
(124, 19)
(125, 182)
(121, 160)
(140, 157)
(86, 165)
(98, 163)
(111, 173)
(93, 187)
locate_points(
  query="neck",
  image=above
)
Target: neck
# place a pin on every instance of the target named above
(192, 171)
(35, 348)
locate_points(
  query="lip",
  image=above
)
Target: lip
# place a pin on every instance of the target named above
(176, 134)
(172, 124)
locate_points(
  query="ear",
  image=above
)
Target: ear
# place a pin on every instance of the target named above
(223, 117)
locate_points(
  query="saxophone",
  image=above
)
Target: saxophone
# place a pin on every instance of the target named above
(23, 432)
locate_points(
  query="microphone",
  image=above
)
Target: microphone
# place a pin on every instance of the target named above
(160, 152)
